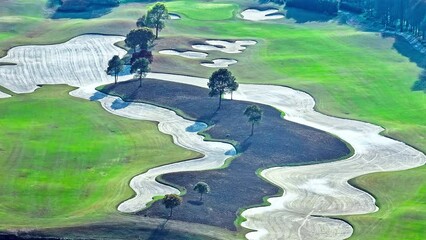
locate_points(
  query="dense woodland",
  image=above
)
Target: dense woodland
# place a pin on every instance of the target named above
(399, 15)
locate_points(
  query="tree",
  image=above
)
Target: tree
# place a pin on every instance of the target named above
(202, 188)
(220, 82)
(142, 22)
(254, 114)
(156, 16)
(171, 201)
(233, 87)
(140, 67)
(115, 66)
(141, 38)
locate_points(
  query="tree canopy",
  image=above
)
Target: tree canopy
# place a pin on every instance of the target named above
(171, 201)
(156, 16)
(254, 114)
(140, 68)
(141, 37)
(202, 188)
(221, 81)
(115, 66)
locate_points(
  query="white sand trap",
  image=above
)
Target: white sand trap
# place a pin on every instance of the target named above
(225, 46)
(4, 95)
(313, 190)
(78, 62)
(185, 54)
(259, 15)
(219, 63)
(174, 16)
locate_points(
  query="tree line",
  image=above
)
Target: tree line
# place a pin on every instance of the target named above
(401, 15)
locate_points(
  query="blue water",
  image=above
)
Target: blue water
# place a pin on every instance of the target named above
(196, 127)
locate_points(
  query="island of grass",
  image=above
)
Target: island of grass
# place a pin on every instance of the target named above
(276, 142)
(67, 162)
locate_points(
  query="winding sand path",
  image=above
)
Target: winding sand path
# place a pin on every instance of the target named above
(321, 189)
(310, 191)
(145, 185)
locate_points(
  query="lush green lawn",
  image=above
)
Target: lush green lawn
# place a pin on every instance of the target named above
(66, 160)
(401, 198)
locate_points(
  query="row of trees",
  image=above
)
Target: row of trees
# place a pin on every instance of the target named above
(402, 15)
(140, 40)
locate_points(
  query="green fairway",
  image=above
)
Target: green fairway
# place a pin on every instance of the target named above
(401, 197)
(67, 161)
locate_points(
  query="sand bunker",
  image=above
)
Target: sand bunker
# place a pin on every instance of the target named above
(185, 54)
(174, 16)
(219, 63)
(225, 46)
(79, 62)
(4, 95)
(259, 15)
(310, 191)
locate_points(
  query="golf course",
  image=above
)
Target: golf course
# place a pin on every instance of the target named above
(93, 150)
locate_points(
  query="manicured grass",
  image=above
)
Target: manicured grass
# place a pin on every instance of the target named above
(402, 213)
(66, 161)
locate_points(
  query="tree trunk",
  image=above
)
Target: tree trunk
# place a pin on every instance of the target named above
(115, 78)
(156, 32)
(220, 101)
(171, 212)
(252, 129)
(232, 93)
(201, 197)
(140, 80)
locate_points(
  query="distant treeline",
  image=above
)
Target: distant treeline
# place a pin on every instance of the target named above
(402, 15)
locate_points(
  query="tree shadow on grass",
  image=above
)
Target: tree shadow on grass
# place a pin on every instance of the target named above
(303, 16)
(160, 232)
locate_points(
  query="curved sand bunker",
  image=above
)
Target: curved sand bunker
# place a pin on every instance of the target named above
(261, 15)
(219, 63)
(225, 46)
(145, 185)
(321, 189)
(174, 16)
(185, 54)
(310, 191)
